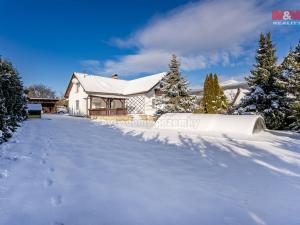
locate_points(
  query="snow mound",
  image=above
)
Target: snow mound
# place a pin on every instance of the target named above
(211, 123)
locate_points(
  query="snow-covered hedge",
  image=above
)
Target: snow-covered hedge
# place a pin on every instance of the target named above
(211, 123)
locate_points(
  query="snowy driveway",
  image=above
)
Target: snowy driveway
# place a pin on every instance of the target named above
(72, 171)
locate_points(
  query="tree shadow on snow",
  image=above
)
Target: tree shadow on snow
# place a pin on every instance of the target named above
(277, 157)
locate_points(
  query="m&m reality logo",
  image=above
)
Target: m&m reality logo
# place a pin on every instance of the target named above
(286, 17)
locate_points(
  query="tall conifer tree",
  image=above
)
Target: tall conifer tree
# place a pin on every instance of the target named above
(214, 100)
(12, 99)
(175, 92)
(267, 87)
(291, 71)
(4, 131)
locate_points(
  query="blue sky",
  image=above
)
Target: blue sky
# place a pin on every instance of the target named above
(48, 40)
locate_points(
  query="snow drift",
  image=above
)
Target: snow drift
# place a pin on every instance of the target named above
(213, 123)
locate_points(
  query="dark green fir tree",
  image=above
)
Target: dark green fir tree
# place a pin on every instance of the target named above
(267, 95)
(291, 71)
(175, 96)
(12, 99)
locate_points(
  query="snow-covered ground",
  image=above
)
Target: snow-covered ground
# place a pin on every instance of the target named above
(73, 171)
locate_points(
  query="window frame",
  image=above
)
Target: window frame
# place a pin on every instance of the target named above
(77, 104)
(157, 92)
(77, 88)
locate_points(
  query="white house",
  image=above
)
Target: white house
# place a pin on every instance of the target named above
(90, 95)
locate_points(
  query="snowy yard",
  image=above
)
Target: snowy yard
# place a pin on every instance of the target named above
(73, 171)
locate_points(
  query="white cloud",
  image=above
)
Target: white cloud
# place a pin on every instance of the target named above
(91, 65)
(201, 34)
(193, 63)
(208, 26)
(143, 62)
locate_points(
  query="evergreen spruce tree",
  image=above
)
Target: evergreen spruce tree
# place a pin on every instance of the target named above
(291, 70)
(4, 131)
(214, 100)
(175, 96)
(267, 95)
(12, 98)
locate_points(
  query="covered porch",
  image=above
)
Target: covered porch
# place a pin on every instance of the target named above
(107, 106)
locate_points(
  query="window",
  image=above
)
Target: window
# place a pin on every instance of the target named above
(77, 88)
(157, 92)
(98, 103)
(153, 103)
(77, 104)
(115, 104)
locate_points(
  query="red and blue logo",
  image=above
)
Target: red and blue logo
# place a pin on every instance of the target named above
(286, 17)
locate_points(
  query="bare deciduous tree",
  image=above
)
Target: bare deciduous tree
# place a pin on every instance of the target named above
(40, 91)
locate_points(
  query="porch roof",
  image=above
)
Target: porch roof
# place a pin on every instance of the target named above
(109, 96)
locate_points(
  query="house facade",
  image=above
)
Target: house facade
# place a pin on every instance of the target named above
(90, 95)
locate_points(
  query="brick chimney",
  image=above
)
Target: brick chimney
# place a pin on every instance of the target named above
(115, 76)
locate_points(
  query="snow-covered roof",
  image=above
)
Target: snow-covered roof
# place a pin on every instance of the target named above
(37, 107)
(109, 96)
(229, 82)
(101, 84)
(227, 85)
(143, 84)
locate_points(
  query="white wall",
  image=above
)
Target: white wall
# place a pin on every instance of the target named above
(81, 96)
(148, 102)
(149, 97)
